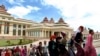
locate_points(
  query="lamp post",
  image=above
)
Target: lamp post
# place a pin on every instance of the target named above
(20, 40)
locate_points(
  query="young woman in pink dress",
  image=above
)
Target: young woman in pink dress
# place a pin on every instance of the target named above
(89, 48)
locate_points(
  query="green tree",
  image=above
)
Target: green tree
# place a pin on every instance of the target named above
(8, 41)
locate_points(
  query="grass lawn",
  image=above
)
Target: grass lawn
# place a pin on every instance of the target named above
(13, 42)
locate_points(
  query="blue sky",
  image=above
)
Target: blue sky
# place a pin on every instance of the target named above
(37, 11)
(74, 12)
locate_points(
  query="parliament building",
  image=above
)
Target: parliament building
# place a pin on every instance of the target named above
(16, 28)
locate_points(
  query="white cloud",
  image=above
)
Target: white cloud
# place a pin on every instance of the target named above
(21, 11)
(18, 2)
(75, 10)
(10, 1)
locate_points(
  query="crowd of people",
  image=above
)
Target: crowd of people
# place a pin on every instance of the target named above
(57, 46)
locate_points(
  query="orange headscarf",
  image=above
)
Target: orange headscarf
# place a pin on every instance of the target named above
(52, 37)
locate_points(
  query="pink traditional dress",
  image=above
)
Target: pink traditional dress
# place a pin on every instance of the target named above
(22, 52)
(89, 48)
(3, 53)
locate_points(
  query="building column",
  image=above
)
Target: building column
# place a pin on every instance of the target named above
(30, 33)
(69, 35)
(47, 34)
(39, 33)
(33, 33)
(11, 29)
(16, 29)
(26, 32)
(36, 34)
(21, 30)
(52, 32)
(42, 33)
(2, 28)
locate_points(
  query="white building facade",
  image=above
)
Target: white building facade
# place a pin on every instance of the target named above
(47, 28)
(14, 28)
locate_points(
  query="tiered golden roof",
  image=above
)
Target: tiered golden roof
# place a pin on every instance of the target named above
(3, 10)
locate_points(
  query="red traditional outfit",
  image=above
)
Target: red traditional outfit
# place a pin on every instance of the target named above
(7, 53)
(80, 51)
